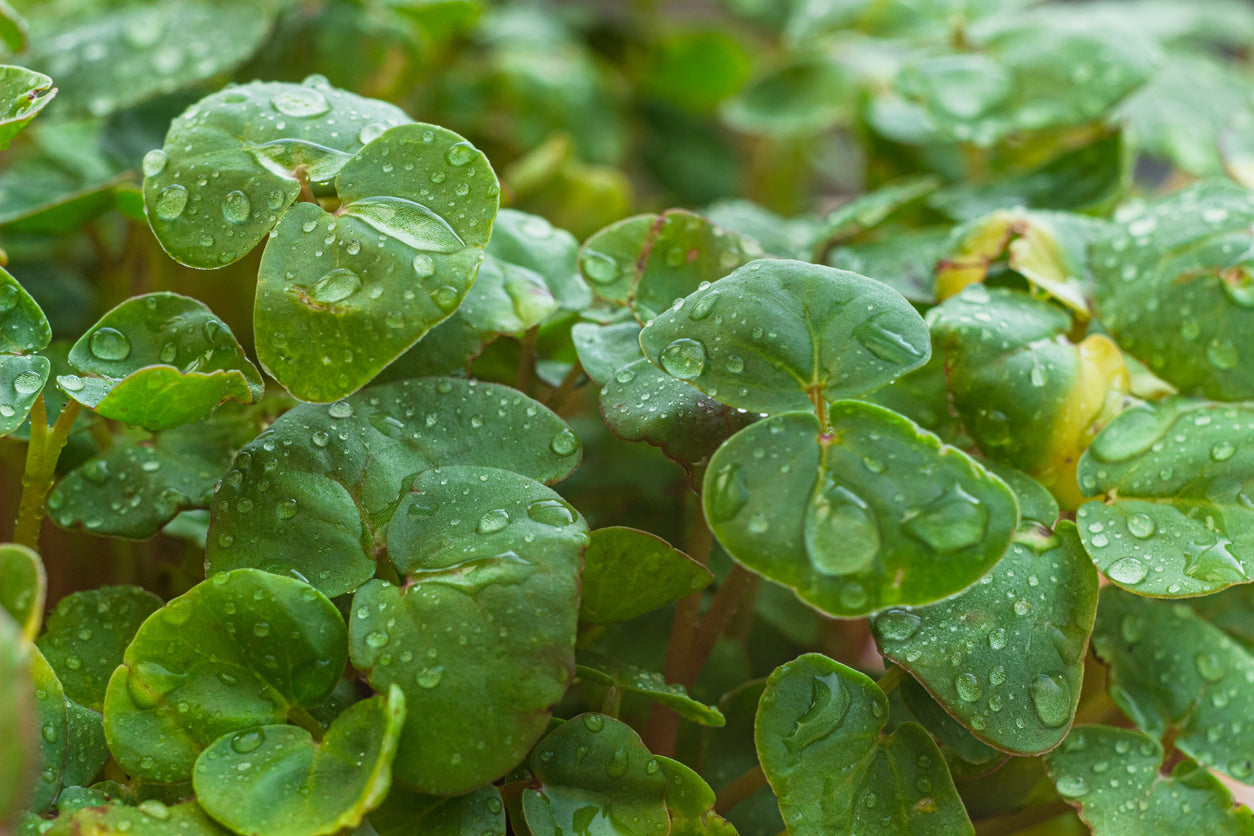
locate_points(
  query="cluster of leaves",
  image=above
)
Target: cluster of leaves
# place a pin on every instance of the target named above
(961, 537)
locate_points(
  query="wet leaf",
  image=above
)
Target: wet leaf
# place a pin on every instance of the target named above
(23, 586)
(906, 260)
(149, 818)
(1175, 514)
(159, 361)
(785, 329)
(690, 803)
(19, 758)
(23, 330)
(24, 93)
(844, 518)
(1197, 687)
(337, 780)
(314, 493)
(71, 743)
(277, 645)
(628, 572)
(605, 348)
(800, 97)
(820, 740)
(481, 813)
(1006, 655)
(629, 679)
(481, 637)
(532, 243)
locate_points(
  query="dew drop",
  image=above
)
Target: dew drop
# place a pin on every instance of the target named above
(336, 286)
(300, 102)
(600, 268)
(340, 409)
(429, 677)
(493, 521)
(898, 625)
(424, 266)
(27, 383)
(235, 207)
(446, 298)
(1051, 697)
(564, 443)
(1127, 570)
(170, 202)
(968, 687)
(377, 638)
(684, 358)
(703, 306)
(248, 741)
(841, 534)
(593, 722)
(109, 344)
(551, 512)
(951, 523)
(1140, 526)
(154, 162)
(286, 508)
(460, 154)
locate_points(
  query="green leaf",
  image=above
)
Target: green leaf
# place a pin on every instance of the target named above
(23, 330)
(800, 97)
(314, 493)
(595, 769)
(506, 299)
(13, 28)
(25, 93)
(1141, 799)
(904, 260)
(278, 646)
(159, 361)
(481, 813)
(923, 396)
(1036, 503)
(1196, 689)
(19, 759)
(1175, 516)
(643, 403)
(72, 745)
(532, 243)
(820, 740)
(1006, 655)
(149, 818)
(138, 485)
(23, 586)
(780, 236)
(842, 516)
(240, 154)
(341, 295)
(690, 803)
(963, 751)
(729, 752)
(629, 679)
(603, 349)
(337, 779)
(481, 637)
(1174, 288)
(87, 635)
(772, 332)
(867, 211)
(628, 572)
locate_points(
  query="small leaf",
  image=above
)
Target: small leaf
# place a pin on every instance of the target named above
(628, 573)
(1176, 515)
(87, 635)
(905, 260)
(632, 680)
(595, 768)
(19, 756)
(328, 785)
(532, 243)
(867, 211)
(23, 586)
(481, 813)
(690, 803)
(72, 744)
(278, 645)
(23, 330)
(1197, 687)
(1006, 655)
(150, 818)
(481, 637)
(820, 740)
(605, 348)
(785, 329)
(159, 361)
(24, 93)
(1142, 799)
(842, 516)
(314, 493)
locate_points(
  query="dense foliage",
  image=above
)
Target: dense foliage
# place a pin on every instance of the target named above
(329, 330)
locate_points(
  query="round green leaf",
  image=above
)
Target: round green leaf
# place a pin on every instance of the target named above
(1176, 516)
(608, 259)
(981, 653)
(530, 242)
(341, 295)
(605, 348)
(594, 770)
(149, 818)
(314, 493)
(87, 635)
(905, 261)
(506, 299)
(22, 380)
(23, 586)
(1174, 673)
(869, 514)
(241, 649)
(159, 361)
(1141, 799)
(690, 802)
(628, 573)
(72, 744)
(820, 740)
(481, 637)
(19, 760)
(23, 329)
(326, 785)
(772, 332)
(24, 93)
(593, 667)
(232, 163)
(478, 813)
(1174, 288)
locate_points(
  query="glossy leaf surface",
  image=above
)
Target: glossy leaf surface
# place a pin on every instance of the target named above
(650, 684)
(785, 329)
(23, 586)
(23, 329)
(237, 651)
(842, 517)
(19, 758)
(71, 743)
(149, 818)
(628, 572)
(690, 802)
(819, 736)
(478, 813)
(1014, 690)
(24, 94)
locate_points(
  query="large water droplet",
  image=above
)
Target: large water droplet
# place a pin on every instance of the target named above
(1214, 562)
(154, 162)
(564, 443)
(248, 741)
(27, 383)
(300, 102)
(841, 533)
(170, 202)
(424, 266)
(729, 493)
(886, 343)
(1127, 570)
(593, 722)
(955, 521)
(286, 508)
(1131, 434)
(1222, 354)
(410, 223)
(336, 286)
(829, 703)
(599, 268)
(446, 298)
(684, 358)
(235, 207)
(429, 677)
(968, 687)
(617, 766)
(897, 625)
(1209, 666)
(109, 344)
(1072, 786)
(701, 309)
(1141, 526)
(552, 512)
(493, 521)
(1051, 697)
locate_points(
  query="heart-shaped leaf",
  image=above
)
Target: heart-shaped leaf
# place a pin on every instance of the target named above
(242, 649)
(481, 637)
(149, 818)
(820, 739)
(1013, 689)
(87, 635)
(19, 756)
(139, 484)
(868, 513)
(233, 163)
(1176, 516)
(71, 744)
(344, 775)
(1195, 690)
(593, 667)
(628, 572)
(1141, 798)
(481, 813)
(23, 586)
(773, 332)
(342, 295)
(1174, 288)
(23, 330)
(595, 769)
(159, 361)
(314, 493)
(24, 93)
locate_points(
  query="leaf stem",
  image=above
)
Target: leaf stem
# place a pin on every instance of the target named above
(298, 715)
(527, 361)
(559, 395)
(739, 788)
(41, 464)
(820, 406)
(613, 702)
(891, 679)
(737, 586)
